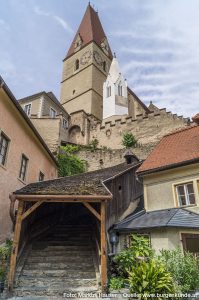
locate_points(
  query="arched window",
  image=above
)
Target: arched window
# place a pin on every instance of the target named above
(108, 91)
(76, 64)
(120, 89)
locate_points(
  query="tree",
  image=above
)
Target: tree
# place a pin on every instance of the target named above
(128, 140)
(69, 163)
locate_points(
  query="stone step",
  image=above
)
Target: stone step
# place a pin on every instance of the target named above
(58, 259)
(63, 248)
(36, 291)
(65, 243)
(64, 266)
(48, 281)
(62, 253)
(60, 273)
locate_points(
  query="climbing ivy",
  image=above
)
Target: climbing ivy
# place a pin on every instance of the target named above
(69, 163)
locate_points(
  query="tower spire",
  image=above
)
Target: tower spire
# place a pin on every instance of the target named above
(90, 30)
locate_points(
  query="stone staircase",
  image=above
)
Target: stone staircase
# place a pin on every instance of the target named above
(61, 261)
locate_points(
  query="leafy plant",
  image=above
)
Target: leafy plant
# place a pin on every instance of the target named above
(128, 140)
(116, 283)
(150, 277)
(93, 144)
(69, 163)
(5, 251)
(139, 248)
(183, 267)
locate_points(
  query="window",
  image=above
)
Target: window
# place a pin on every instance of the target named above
(4, 141)
(108, 91)
(53, 113)
(23, 168)
(120, 90)
(41, 176)
(185, 193)
(65, 123)
(76, 64)
(27, 109)
(104, 66)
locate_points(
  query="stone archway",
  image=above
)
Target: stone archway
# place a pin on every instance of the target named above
(75, 134)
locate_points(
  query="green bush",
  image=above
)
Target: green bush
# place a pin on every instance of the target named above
(5, 251)
(150, 277)
(183, 267)
(93, 145)
(116, 283)
(139, 247)
(128, 140)
(69, 163)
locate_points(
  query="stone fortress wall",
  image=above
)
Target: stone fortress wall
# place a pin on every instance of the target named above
(147, 129)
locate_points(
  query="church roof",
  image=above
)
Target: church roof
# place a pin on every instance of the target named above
(90, 30)
(176, 149)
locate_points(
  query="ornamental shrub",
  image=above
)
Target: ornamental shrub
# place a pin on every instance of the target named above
(129, 140)
(183, 267)
(116, 283)
(150, 277)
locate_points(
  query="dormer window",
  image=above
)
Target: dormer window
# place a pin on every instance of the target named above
(108, 91)
(76, 64)
(104, 45)
(78, 43)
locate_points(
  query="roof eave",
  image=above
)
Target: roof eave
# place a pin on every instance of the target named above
(48, 197)
(165, 168)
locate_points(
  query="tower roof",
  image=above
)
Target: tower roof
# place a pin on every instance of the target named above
(90, 30)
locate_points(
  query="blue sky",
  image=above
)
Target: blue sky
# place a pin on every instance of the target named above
(156, 42)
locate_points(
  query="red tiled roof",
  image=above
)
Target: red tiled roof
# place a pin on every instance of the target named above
(177, 148)
(89, 30)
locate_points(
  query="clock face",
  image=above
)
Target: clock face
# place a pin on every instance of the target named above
(97, 58)
(85, 57)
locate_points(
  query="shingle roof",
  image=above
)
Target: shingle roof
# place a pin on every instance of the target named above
(175, 149)
(174, 217)
(89, 30)
(89, 183)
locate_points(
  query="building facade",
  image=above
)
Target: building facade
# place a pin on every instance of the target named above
(170, 176)
(24, 156)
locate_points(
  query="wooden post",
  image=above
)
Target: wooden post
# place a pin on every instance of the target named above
(103, 247)
(15, 246)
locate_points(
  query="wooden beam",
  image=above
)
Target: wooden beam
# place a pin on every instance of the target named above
(31, 209)
(103, 247)
(92, 210)
(49, 200)
(15, 246)
(87, 198)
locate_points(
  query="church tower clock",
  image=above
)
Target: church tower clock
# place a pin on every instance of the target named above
(86, 67)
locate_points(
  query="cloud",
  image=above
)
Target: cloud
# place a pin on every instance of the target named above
(58, 19)
(4, 25)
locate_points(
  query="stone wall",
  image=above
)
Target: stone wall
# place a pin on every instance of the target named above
(104, 158)
(147, 129)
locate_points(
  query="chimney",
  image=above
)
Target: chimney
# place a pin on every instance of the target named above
(196, 119)
(129, 157)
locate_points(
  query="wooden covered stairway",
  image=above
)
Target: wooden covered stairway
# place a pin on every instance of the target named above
(62, 260)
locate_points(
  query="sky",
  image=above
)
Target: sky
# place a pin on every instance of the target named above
(155, 41)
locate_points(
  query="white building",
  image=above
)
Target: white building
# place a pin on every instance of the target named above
(115, 97)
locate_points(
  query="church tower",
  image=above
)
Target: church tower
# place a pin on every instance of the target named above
(86, 67)
(115, 94)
